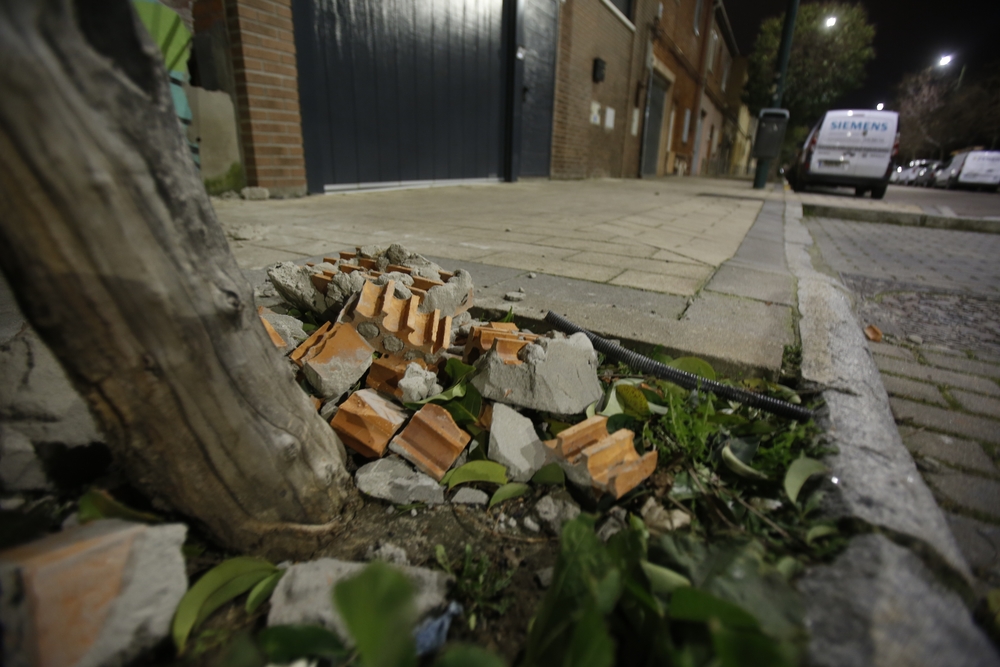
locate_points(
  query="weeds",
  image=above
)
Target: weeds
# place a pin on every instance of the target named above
(478, 584)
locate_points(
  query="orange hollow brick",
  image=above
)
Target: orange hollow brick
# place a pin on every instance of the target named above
(309, 343)
(609, 461)
(398, 323)
(386, 372)
(275, 337)
(501, 336)
(432, 441)
(366, 422)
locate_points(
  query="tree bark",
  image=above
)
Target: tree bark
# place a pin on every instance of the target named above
(116, 257)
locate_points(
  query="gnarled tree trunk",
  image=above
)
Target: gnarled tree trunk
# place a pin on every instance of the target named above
(114, 252)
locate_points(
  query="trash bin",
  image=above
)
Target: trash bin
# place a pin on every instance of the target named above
(770, 133)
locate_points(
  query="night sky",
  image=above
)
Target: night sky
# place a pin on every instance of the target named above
(909, 35)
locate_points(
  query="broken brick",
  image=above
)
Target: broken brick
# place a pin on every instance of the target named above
(400, 325)
(608, 462)
(366, 422)
(300, 352)
(387, 371)
(432, 441)
(501, 336)
(275, 337)
(337, 361)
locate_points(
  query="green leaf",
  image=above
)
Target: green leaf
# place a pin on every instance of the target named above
(447, 476)
(456, 370)
(738, 647)
(590, 411)
(662, 579)
(819, 531)
(465, 410)
(98, 504)
(549, 474)
(612, 406)
(509, 317)
(508, 491)
(468, 655)
(262, 591)
(309, 328)
(738, 467)
(695, 366)
(801, 470)
(478, 471)
(246, 571)
(691, 604)
(633, 401)
(287, 643)
(590, 646)
(555, 426)
(377, 607)
(658, 355)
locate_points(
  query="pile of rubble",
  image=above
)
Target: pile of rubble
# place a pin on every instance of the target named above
(376, 369)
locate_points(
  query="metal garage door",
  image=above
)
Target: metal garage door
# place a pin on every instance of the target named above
(540, 27)
(399, 91)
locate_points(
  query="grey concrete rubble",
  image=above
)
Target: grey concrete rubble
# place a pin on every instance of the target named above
(558, 375)
(255, 193)
(389, 553)
(514, 443)
(660, 520)
(452, 297)
(294, 284)
(878, 604)
(288, 327)
(556, 509)
(469, 496)
(20, 467)
(303, 596)
(614, 523)
(393, 480)
(342, 287)
(544, 576)
(515, 296)
(333, 377)
(119, 628)
(418, 383)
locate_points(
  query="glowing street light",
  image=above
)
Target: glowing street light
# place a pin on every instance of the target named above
(944, 61)
(831, 21)
(879, 106)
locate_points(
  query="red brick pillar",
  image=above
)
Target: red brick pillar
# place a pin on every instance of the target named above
(267, 94)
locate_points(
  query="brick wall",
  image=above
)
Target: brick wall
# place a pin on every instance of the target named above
(263, 50)
(588, 29)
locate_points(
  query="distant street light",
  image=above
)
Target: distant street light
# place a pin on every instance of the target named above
(879, 106)
(944, 61)
(831, 21)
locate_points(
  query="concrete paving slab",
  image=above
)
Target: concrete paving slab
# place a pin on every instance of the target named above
(969, 426)
(947, 448)
(660, 282)
(980, 543)
(961, 364)
(920, 391)
(937, 375)
(975, 493)
(769, 286)
(557, 267)
(983, 405)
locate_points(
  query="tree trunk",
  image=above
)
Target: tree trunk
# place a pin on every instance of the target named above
(116, 257)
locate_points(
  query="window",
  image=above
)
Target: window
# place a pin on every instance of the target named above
(624, 6)
(687, 126)
(713, 46)
(698, 6)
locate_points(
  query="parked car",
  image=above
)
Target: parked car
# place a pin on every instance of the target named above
(848, 147)
(909, 175)
(924, 176)
(897, 174)
(973, 169)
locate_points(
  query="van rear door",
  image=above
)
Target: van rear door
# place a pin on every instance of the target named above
(855, 144)
(981, 168)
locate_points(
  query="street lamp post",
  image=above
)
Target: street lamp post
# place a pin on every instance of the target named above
(784, 53)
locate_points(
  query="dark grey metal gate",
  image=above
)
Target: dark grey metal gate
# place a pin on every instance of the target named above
(396, 91)
(541, 25)
(654, 123)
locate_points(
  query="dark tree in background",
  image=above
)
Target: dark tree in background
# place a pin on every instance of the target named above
(942, 111)
(825, 63)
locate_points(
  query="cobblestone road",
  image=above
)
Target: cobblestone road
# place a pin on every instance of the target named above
(935, 294)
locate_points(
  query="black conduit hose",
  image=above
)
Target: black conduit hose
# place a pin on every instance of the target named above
(683, 378)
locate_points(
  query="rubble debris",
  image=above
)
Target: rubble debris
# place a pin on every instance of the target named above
(289, 328)
(336, 361)
(660, 520)
(399, 323)
(614, 523)
(556, 509)
(366, 422)
(514, 296)
(389, 553)
(251, 193)
(275, 337)
(294, 284)
(501, 336)
(453, 297)
(431, 441)
(341, 287)
(531, 524)
(298, 355)
(302, 596)
(469, 496)
(559, 375)
(98, 594)
(418, 384)
(394, 480)
(514, 444)
(544, 576)
(607, 462)
(20, 467)
(387, 371)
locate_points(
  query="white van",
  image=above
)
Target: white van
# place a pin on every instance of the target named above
(974, 169)
(849, 147)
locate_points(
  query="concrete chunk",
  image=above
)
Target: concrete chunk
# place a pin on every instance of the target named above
(558, 375)
(339, 363)
(514, 443)
(417, 384)
(294, 284)
(92, 595)
(451, 298)
(393, 480)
